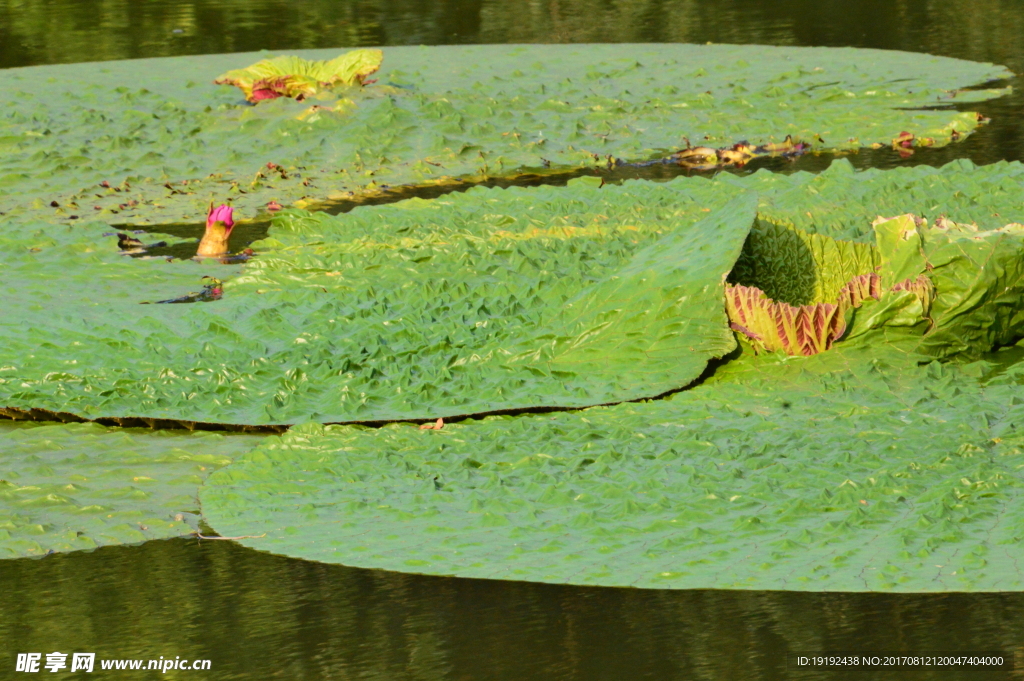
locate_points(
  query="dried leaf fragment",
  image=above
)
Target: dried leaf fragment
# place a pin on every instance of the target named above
(738, 155)
(904, 139)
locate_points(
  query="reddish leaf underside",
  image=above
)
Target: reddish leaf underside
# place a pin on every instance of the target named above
(797, 330)
(808, 329)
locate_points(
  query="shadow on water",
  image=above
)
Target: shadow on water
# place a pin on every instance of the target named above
(260, 616)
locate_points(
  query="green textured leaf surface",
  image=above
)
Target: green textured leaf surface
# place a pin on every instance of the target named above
(427, 309)
(847, 471)
(798, 268)
(80, 486)
(439, 113)
(975, 277)
(978, 279)
(979, 283)
(843, 203)
(484, 301)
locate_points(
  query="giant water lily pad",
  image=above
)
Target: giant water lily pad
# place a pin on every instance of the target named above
(167, 140)
(484, 301)
(867, 467)
(460, 305)
(852, 470)
(80, 486)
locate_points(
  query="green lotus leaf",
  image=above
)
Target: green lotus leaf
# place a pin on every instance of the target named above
(484, 301)
(299, 78)
(166, 141)
(853, 470)
(80, 486)
(901, 240)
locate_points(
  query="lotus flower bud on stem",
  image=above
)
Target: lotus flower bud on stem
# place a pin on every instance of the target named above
(219, 222)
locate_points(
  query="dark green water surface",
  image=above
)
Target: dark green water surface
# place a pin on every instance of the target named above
(257, 616)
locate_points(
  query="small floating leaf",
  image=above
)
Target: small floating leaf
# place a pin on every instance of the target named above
(298, 78)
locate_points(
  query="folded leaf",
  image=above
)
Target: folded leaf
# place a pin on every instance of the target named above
(299, 78)
(796, 330)
(978, 278)
(798, 267)
(804, 267)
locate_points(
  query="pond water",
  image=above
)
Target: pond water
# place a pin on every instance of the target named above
(258, 616)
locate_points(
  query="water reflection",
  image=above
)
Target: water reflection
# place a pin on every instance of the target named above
(59, 31)
(261, 616)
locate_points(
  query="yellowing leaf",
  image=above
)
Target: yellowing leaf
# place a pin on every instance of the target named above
(299, 78)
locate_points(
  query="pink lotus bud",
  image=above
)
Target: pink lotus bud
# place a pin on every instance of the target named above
(223, 214)
(219, 222)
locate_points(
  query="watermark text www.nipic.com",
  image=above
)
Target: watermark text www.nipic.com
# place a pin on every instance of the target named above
(87, 662)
